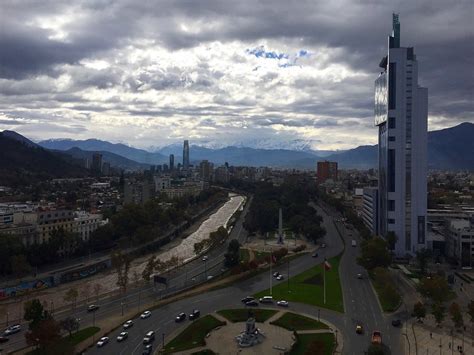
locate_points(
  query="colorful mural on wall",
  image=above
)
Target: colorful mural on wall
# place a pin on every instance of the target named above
(26, 287)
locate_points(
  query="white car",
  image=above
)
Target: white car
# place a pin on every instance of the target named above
(359, 276)
(276, 274)
(145, 314)
(122, 336)
(128, 324)
(283, 303)
(102, 341)
(280, 277)
(205, 257)
(12, 329)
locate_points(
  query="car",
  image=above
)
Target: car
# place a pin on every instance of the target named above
(149, 337)
(15, 328)
(147, 350)
(122, 336)
(266, 299)
(128, 324)
(180, 317)
(280, 277)
(205, 258)
(396, 322)
(247, 299)
(210, 277)
(251, 303)
(376, 337)
(3, 339)
(102, 341)
(194, 314)
(283, 303)
(92, 308)
(323, 245)
(359, 276)
(315, 255)
(276, 274)
(359, 329)
(145, 315)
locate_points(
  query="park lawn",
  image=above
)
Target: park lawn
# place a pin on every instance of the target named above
(241, 314)
(307, 287)
(81, 335)
(293, 321)
(194, 335)
(244, 255)
(389, 303)
(260, 255)
(316, 343)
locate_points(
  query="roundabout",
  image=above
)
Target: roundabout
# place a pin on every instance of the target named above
(259, 331)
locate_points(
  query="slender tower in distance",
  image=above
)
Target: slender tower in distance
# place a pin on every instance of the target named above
(186, 155)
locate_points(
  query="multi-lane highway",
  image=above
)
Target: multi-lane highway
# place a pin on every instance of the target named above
(360, 303)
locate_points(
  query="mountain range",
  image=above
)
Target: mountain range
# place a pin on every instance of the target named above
(450, 148)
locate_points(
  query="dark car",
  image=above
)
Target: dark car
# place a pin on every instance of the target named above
(251, 303)
(396, 322)
(180, 317)
(194, 314)
(92, 308)
(147, 350)
(3, 339)
(247, 299)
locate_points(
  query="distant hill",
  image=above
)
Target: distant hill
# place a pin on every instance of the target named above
(115, 160)
(450, 148)
(22, 162)
(138, 155)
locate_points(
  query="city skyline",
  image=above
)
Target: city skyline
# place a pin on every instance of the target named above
(306, 77)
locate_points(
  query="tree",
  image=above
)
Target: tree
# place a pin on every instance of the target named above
(34, 312)
(422, 257)
(71, 297)
(435, 288)
(45, 335)
(233, 253)
(20, 265)
(148, 270)
(391, 240)
(69, 324)
(470, 310)
(419, 311)
(374, 253)
(438, 311)
(456, 315)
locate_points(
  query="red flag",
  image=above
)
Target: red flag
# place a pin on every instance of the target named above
(327, 266)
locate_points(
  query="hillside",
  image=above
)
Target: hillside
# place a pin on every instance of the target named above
(22, 163)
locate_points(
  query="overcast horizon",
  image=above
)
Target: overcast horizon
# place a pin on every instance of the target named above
(221, 72)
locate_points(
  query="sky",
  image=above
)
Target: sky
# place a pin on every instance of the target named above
(247, 72)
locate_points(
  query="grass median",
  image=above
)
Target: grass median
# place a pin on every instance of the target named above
(318, 343)
(293, 321)
(241, 314)
(194, 335)
(307, 287)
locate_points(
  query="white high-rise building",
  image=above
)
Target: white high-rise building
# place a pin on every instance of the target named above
(401, 111)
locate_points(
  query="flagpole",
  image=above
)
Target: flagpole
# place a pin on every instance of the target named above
(324, 280)
(271, 276)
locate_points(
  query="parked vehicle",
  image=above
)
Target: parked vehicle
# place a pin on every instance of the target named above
(194, 314)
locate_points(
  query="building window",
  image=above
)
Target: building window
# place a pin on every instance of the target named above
(391, 170)
(391, 221)
(391, 122)
(391, 205)
(392, 78)
(391, 139)
(421, 229)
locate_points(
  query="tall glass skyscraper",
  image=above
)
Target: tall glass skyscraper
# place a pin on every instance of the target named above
(401, 114)
(186, 155)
